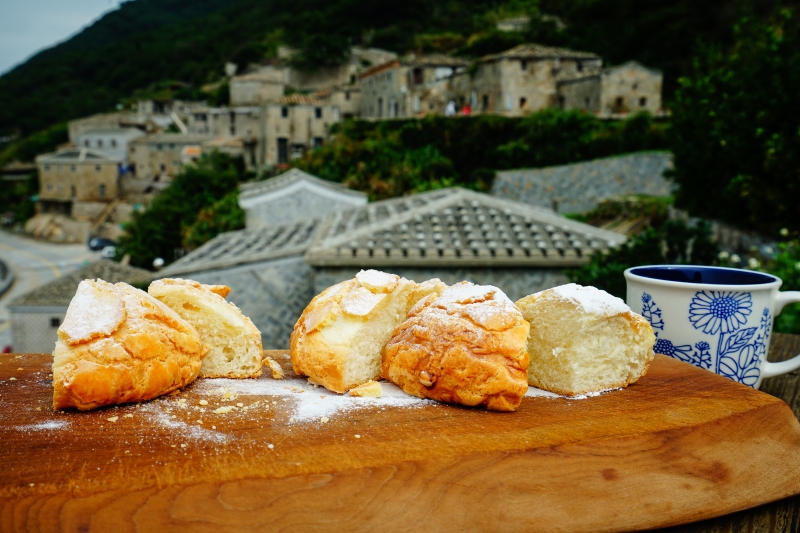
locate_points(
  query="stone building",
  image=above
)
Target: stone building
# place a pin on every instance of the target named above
(615, 91)
(77, 175)
(161, 155)
(111, 141)
(580, 187)
(521, 80)
(292, 197)
(413, 86)
(257, 88)
(292, 126)
(36, 316)
(452, 234)
(346, 97)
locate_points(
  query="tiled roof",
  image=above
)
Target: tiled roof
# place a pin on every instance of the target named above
(327, 91)
(59, 292)
(77, 155)
(631, 64)
(455, 227)
(255, 188)
(175, 138)
(247, 246)
(540, 51)
(434, 60)
(300, 99)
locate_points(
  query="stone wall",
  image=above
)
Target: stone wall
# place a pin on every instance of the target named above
(91, 181)
(579, 187)
(630, 88)
(272, 293)
(253, 91)
(300, 128)
(515, 282)
(582, 93)
(34, 330)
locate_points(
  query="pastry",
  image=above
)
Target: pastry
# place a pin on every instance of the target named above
(117, 344)
(583, 339)
(234, 342)
(465, 346)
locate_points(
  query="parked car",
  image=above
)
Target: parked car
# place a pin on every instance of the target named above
(108, 252)
(98, 243)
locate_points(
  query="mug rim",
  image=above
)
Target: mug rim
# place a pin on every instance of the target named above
(631, 276)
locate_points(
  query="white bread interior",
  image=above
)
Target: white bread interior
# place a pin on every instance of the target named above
(338, 339)
(234, 342)
(583, 340)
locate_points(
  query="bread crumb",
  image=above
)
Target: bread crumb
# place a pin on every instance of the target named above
(173, 445)
(357, 436)
(213, 427)
(32, 484)
(270, 446)
(12, 379)
(127, 451)
(239, 405)
(324, 419)
(128, 416)
(203, 402)
(370, 389)
(113, 419)
(183, 445)
(199, 421)
(223, 410)
(277, 371)
(38, 408)
(20, 368)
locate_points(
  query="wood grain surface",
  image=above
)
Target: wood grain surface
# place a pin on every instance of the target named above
(679, 446)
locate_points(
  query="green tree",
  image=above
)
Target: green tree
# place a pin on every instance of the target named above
(736, 128)
(221, 216)
(159, 231)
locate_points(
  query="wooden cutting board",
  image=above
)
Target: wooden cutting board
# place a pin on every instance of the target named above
(680, 445)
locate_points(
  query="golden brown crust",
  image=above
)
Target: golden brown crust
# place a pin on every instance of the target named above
(99, 361)
(467, 346)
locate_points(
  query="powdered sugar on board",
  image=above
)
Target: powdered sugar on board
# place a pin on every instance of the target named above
(308, 402)
(591, 299)
(533, 392)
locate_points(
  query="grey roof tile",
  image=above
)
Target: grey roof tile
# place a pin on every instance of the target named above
(255, 188)
(455, 227)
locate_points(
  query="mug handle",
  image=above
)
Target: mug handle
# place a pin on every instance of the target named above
(776, 369)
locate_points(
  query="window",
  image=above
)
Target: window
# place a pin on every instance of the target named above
(635, 86)
(283, 150)
(163, 167)
(72, 191)
(233, 129)
(643, 101)
(176, 163)
(284, 112)
(523, 65)
(55, 322)
(318, 141)
(523, 103)
(380, 107)
(49, 186)
(102, 188)
(97, 168)
(586, 103)
(172, 146)
(486, 102)
(47, 167)
(347, 95)
(113, 143)
(99, 143)
(72, 168)
(86, 143)
(317, 112)
(579, 66)
(159, 147)
(562, 102)
(416, 76)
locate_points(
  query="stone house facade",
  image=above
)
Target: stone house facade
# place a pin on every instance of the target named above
(292, 197)
(257, 88)
(77, 175)
(521, 80)
(36, 315)
(161, 155)
(292, 126)
(615, 91)
(346, 97)
(111, 141)
(413, 86)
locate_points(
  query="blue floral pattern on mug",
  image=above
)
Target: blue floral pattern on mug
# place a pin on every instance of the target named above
(740, 350)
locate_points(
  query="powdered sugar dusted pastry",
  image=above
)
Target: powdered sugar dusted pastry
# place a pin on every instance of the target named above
(338, 339)
(583, 339)
(465, 346)
(117, 344)
(234, 342)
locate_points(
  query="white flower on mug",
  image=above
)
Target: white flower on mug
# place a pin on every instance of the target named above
(719, 311)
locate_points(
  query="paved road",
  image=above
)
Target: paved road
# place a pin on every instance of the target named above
(35, 263)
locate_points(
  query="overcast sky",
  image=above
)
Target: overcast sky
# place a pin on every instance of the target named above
(29, 26)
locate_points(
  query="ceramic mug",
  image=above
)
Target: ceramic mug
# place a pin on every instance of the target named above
(715, 318)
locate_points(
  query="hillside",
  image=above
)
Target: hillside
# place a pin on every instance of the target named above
(150, 41)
